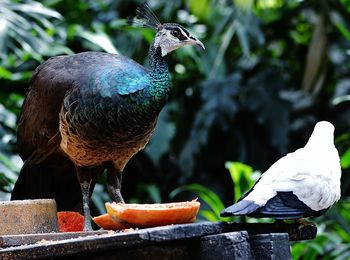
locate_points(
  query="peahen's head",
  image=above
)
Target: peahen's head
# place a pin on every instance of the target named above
(169, 36)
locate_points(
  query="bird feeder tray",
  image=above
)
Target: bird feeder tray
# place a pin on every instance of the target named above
(206, 240)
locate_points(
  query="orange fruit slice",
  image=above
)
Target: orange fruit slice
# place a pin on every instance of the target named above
(152, 215)
(70, 221)
(106, 222)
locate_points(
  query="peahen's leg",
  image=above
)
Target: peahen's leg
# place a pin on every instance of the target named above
(85, 178)
(114, 183)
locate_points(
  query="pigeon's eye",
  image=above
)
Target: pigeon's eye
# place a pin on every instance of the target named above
(175, 32)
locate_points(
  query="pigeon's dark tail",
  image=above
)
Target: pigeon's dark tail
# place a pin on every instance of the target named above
(242, 207)
(54, 178)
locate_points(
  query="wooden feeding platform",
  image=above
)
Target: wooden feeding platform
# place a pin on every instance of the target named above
(204, 240)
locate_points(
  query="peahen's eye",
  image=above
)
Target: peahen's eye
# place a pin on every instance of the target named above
(175, 32)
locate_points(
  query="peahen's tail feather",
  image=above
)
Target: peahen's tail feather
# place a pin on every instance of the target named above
(242, 207)
(54, 178)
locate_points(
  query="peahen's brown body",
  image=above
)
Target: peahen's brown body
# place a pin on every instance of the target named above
(88, 112)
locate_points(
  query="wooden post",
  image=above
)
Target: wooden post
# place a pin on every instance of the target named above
(233, 245)
(270, 246)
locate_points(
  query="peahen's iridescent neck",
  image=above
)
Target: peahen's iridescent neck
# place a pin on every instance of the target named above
(157, 61)
(152, 99)
(159, 74)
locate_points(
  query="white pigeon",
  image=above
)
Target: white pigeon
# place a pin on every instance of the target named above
(301, 184)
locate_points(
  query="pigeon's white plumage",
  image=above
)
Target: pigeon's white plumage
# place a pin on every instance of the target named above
(311, 173)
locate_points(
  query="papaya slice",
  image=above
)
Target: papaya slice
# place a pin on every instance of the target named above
(152, 215)
(106, 222)
(70, 221)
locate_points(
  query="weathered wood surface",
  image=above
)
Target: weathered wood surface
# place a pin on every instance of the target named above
(296, 231)
(170, 242)
(232, 245)
(28, 216)
(270, 246)
(26, 239)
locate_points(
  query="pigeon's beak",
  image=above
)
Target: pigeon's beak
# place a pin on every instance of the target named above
(193, 41)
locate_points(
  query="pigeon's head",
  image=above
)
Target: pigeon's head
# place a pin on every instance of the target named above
(323, 134)
(324, 127)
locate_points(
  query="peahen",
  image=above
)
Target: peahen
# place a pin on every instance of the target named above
(92, 111)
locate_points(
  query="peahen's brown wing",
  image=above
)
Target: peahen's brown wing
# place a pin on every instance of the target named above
(47, 172)
(38, 127)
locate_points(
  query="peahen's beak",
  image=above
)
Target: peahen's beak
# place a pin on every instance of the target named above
(193, 41)
(200, 44)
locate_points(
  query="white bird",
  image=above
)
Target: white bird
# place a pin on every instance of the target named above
(301, 184)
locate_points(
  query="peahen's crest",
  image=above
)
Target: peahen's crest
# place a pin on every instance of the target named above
(145, 18)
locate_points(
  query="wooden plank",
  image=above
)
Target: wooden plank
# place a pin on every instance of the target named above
(149, 237)
(177, 250)
(182, 231)
(296, 231)
(26, 239)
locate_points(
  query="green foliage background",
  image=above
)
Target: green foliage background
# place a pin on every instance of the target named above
(270, 71)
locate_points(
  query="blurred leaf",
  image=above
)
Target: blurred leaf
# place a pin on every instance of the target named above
(345, 159)
(5, 74)
(208, 215)
(241, 175)
(199, 7)
(8, 163)
(262, 97)
(338, 100)
(99, 39)
(25, 25)
(343, 30)
(205, 194)
(99, 198)
(34, 7)
(7, 117)
(219, 107)
(148, 193)
(163, 134)
(314, 73)
(245, 5)
(266, 4)
(346, 4)
(225, 41)
(154, 193)
(5, 183)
